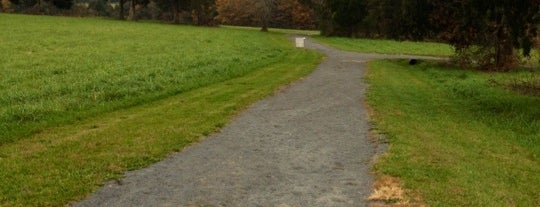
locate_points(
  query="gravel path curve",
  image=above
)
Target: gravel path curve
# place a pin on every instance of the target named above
(305, 146)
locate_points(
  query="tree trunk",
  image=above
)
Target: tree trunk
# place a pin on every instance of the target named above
(132, 11)
(176, 12)
(505, 58)
(265, 11)
(121, 12)
(264, 26)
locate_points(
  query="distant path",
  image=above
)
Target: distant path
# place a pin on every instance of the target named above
(305, 146)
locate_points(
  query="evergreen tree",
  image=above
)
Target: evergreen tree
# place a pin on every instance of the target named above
(487, 33)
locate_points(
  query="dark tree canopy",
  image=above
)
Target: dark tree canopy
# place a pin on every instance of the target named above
(347, 16)
(400, 19)
(339, 17)
(488, 32)
(24, 3)
(62, 4)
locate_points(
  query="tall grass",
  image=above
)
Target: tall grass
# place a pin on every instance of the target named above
(56, 70)
(456, 138)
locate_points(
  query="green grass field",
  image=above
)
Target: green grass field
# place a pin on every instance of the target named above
(388, 46)
(458, 137)
(58, 70)
(84, 100)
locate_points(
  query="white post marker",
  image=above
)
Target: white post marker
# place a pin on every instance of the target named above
(300, 41)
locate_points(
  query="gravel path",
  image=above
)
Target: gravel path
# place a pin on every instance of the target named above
(305, 146)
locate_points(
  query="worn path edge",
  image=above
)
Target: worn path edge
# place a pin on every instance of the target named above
(305, 146)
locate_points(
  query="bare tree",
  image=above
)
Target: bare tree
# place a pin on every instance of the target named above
(265, 9)
(132, 11)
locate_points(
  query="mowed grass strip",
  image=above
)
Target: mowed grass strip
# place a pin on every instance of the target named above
(64, 164)
(387, 46)
(57, 70)
(457, 137)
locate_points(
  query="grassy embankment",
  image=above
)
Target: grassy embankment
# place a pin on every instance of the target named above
(83, 100)
(457, 137)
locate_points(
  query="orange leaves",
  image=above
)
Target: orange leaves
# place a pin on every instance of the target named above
(278, 13)
(236, 12)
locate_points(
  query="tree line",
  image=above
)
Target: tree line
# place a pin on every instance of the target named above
(265, 13)
(485, 33)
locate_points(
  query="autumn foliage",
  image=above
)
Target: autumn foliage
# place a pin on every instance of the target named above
(277, 13)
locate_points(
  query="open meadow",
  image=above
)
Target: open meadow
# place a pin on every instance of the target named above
(59, 70)
(84, 100)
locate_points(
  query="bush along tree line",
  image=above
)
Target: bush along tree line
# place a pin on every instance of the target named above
(485, 33)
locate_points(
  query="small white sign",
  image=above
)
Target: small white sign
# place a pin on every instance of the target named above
(300, 41)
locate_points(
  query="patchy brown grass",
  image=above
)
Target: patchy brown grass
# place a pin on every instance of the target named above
(387, 192)
(387, 189)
